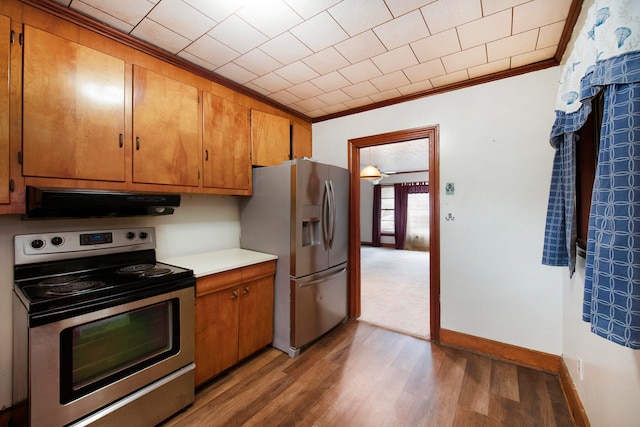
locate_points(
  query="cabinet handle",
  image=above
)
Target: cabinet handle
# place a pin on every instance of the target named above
(206, 155)
(137, 143)
(245, 291)
(121, 140)
(234, 294)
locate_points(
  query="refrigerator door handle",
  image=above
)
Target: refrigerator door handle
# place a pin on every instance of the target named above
(322, 279)
(332, 224)
(326, 216)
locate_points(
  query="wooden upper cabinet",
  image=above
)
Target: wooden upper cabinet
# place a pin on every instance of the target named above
(166, 137)
(5, 53)
(301, 137)
(270, 139)
(226, 144)
(73, 110)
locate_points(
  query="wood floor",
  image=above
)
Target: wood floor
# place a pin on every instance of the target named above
(362, 375)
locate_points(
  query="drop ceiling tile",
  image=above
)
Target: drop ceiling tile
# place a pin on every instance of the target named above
(465, 59)
(358, 102)
(550, 35)
(326, 61)
(285, 48)
(297, 72)
(304, 90)
(400, 7)
(402, 30)
(489, 7)
(445, 14)
(311, 104)
(271, 17)
(181, 18)
(360, 90)
(237, 34)
(489, 68)
(415, 87)
(361, 47)
(447, 79)
(258, 89)
(426, 70)
(436, 46)
(331, 81)
(390, 81)
(258, 62)
(309, 8)
(65, 3)
(101, 16)
(284, 97)
(356, 16)
(236, 73)
(334, 97)
(130, 12)
(396, 59)
(539, 13)
(490, 28)
(531, 57)
(196, 60)
(511, 46)
(160, 36)
(218, 10)
(334, 108)
(361, 71)
(272, 82)
(383, 96)
(319, 32)
(212, 51)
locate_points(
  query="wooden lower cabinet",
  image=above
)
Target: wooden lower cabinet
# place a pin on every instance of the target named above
(233, 317)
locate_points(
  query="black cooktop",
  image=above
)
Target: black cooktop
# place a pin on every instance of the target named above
(58, 285)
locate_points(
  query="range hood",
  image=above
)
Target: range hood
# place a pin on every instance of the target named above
(62, 203)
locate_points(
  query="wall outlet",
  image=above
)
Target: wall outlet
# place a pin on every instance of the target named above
(580, 368)
(450, 189)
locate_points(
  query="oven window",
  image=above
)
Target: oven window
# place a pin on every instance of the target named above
(98, 353)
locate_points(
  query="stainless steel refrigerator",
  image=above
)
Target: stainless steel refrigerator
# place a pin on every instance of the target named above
(299, 211)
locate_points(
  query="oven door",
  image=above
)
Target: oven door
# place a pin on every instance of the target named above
(81, 364)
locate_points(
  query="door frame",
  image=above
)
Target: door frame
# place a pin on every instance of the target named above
(355, 145)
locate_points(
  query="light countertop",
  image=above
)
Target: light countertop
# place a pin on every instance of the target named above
(206, 263)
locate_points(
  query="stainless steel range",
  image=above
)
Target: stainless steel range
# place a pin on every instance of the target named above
(103, 333)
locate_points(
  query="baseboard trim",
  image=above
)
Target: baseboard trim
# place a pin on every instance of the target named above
(546, 362)
(520, 355)
(571, 396)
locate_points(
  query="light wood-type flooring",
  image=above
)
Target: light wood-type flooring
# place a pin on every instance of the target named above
(363, 375)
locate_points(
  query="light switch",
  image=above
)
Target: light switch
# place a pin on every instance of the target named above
(449, 188)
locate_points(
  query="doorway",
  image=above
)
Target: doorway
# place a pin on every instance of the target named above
(355, 146)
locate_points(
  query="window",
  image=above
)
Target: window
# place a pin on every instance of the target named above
(387, 224)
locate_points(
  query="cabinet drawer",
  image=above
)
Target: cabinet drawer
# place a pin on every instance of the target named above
(215, 282)
(257, 271)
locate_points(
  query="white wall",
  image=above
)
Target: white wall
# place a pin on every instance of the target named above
(200, 224)
(494, 147)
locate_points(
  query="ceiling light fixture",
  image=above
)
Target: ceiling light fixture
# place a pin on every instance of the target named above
(370, 172)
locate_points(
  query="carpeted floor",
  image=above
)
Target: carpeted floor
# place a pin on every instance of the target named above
(395, 289)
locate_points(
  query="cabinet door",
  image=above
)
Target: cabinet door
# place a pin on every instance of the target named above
(301, 137)
(165, 130)
(5, 52)
(256, 316)
(73, 110)
(216, 338)
(226, 144)
(270, 139)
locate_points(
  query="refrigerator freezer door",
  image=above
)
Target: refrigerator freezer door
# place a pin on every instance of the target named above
(319, 304)
(339, 182)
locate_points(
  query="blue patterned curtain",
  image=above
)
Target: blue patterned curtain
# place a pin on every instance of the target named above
(605, 57)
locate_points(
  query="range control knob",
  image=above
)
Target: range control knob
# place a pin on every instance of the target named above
(37, 244)
(56, 241)
(143, 235)
(130, 235)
